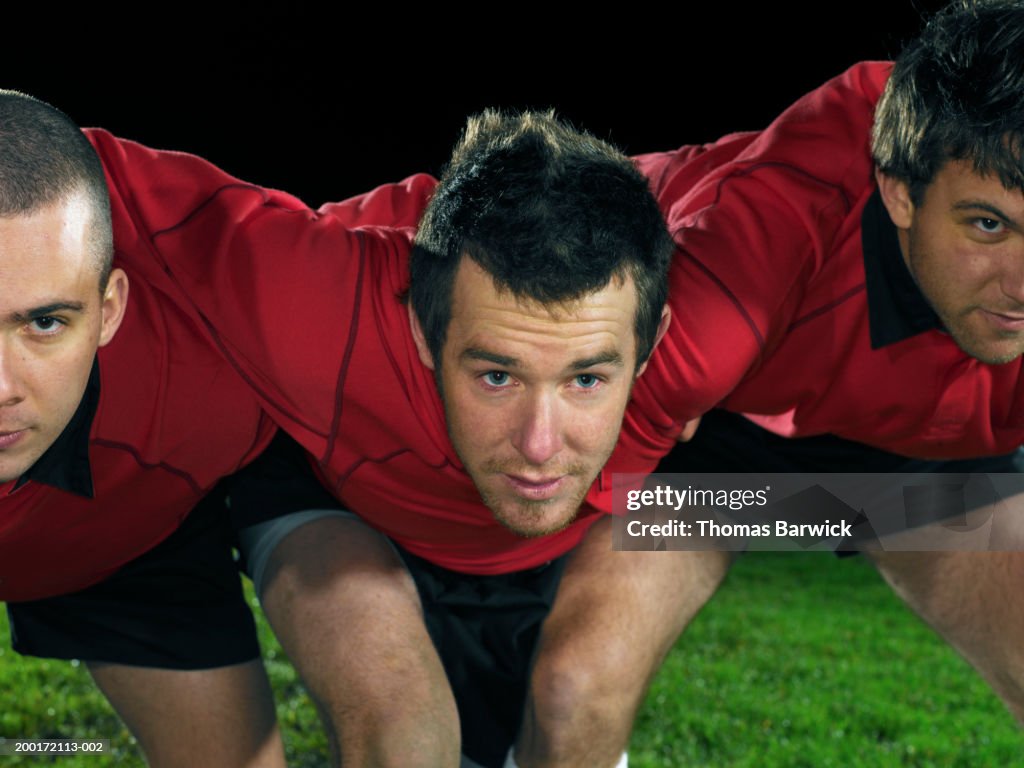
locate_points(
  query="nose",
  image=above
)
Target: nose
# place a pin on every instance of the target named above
(538, 435)
(10, 389)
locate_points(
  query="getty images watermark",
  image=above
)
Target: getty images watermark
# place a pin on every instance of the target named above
(829, 512)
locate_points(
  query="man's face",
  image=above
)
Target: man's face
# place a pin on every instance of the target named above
(964, 245)
(534, 395)
(52, 319)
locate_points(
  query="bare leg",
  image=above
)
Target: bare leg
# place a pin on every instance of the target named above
(183, 719)
(972, 599)
(348, 616)
(615, 617)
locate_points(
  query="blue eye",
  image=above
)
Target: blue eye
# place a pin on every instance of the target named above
(496, 378)
(587, 380)
(46, 325)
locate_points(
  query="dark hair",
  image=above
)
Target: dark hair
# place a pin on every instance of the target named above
(550, 213)
(45, 158)
(957, 93)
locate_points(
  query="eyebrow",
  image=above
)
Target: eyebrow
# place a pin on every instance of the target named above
(475, 353)
(46, 310)
(966, 205)
(604, 358)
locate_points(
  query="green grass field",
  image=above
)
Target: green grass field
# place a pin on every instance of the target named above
(800, 660)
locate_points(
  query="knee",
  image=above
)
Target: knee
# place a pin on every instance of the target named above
(937, 585)
(580, 711)
(573, 693)
(970, 598)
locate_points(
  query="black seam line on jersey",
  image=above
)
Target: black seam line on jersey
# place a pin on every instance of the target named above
(827, 307)
(344, 476)
(731, 296)
(211, 329)
(350, 342)
(262, 193)
(136, 219)
(255, 439)
(714, 203)
(758, 166)
(147, 465)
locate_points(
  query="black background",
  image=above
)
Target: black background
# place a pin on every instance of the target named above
(299, 100)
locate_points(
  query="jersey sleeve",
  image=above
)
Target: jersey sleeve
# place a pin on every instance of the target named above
(278, 284)
(754, 218)
(389, 205)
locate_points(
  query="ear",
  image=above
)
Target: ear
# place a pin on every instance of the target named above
(663, 324)
(115, 300)
(421, 341)
(896, 198)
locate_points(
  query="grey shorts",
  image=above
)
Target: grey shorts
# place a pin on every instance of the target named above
(258, 542)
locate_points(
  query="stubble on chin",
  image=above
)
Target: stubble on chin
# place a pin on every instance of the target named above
(530, 518)
(975, 345)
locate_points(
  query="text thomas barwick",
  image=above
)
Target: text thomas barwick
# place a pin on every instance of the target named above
(713, 528)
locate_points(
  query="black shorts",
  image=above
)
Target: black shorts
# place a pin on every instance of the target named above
(178, 606)
(727, 442)
(485, 628)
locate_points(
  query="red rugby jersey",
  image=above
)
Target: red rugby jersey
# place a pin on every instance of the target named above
(173, 417)
(775, 315)
(769, 296)
(307, 305)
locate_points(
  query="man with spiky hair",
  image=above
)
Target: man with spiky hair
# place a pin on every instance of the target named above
(804, 310)
(469, 422)
(804, 300)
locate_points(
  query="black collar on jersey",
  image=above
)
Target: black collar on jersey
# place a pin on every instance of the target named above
(65, 464)
(897, 309)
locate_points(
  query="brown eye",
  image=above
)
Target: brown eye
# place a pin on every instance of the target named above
(989, 226)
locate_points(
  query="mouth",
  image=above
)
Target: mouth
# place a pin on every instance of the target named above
(8, 439)
(1005, 321)
(535, 488)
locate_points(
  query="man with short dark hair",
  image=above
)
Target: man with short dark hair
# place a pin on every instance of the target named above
(611, 619)
(551, 221)
(818, 303)
(536, 293)
(520, 404)
(851, 298)
(778, 215)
